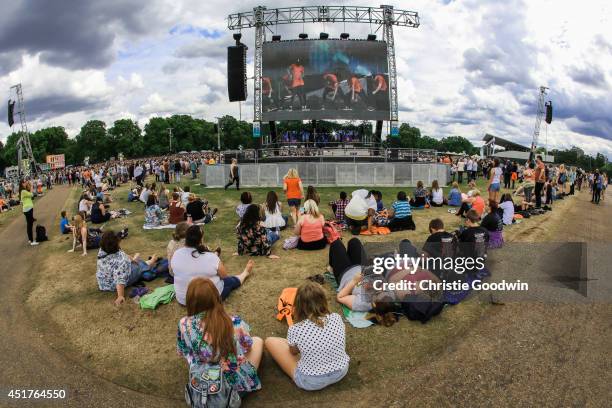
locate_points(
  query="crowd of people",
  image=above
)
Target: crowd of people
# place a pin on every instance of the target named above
(313, 354)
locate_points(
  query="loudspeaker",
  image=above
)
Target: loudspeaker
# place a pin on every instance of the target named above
(11, 111)
(236, 73)
(548, 112)
(378, 132)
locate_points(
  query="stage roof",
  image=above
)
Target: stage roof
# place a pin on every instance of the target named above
(507, 144)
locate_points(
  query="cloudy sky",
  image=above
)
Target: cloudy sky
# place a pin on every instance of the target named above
(472, 67)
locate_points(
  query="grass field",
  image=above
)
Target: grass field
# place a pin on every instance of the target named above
(136, 348)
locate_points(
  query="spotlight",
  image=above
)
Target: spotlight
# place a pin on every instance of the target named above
(344, 36)
(371, 37)
(276, 38)
(323, 36)
(237, 36)
(303, 36)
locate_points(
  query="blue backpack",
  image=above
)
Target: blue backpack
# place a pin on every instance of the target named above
(207, 388)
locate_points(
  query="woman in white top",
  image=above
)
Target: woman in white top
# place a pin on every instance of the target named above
(194, 260)
(495, 181)
(85, 204)
(274, 219)
(436, 195)
(314, 353)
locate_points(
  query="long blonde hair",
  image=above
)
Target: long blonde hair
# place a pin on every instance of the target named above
(79, 223)
(292, 173)
(311, 207)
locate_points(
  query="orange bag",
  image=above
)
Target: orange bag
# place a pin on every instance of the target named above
(285, 305)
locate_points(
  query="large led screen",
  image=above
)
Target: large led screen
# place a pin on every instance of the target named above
(325, 79)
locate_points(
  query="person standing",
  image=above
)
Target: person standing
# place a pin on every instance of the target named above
(234, 176)
(460, 170)
(540, 179)
(25, 194)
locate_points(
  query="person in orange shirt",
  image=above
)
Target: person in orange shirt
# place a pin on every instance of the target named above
(357, 90)
(293, 188)
(380, 94)
(296, 75)
(268, 94)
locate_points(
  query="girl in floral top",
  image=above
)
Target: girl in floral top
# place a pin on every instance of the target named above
(154, 216)
(252, 239)
(209, 334)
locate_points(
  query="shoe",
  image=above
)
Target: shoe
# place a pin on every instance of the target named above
(214, 211)
(33, 243)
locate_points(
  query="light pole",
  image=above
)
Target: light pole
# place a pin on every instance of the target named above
(218, 133)
(170, 137)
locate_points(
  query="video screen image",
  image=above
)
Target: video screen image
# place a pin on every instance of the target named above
(325, 79)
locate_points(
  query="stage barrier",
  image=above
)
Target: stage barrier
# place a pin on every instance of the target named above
(330, 174)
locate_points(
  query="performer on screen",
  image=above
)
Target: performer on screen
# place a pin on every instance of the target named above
(296, 76)
(269, 97)
(356, 90)
(380, 92)
(331, 87)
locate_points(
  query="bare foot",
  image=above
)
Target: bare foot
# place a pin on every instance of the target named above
(153, 260)
(136, 256)
(273, 256)
(330, 269)
(249, 266)
(235, 254)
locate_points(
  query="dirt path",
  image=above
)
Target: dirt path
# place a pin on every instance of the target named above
(26, 359)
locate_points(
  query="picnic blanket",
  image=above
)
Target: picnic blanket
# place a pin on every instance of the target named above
(376, 231)
(157, 227)
(356, 319)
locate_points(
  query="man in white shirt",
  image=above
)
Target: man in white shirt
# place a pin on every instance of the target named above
(460, 170)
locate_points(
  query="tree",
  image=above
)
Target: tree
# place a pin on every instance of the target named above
(457, 144)
(92, 141)
(48, 141)
(126, 137)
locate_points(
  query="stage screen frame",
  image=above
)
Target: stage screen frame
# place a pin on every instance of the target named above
(364, 59)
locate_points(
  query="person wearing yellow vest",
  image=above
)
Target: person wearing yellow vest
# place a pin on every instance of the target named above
(25, 194)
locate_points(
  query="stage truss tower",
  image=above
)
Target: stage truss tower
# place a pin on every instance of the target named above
(23, 145)
(385, 17)
(539, 115)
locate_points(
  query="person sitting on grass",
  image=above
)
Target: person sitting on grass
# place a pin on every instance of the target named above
(209, 335)
(314, 353)
(454, 196)
(473, 239)
(310, 228)
(134, 194)
(197, 211)
(311, 194)
(246, 199)
(380, 206)
(65, 226)
(439, 244)
(274, 220)
(360, 211)
(436, 195)
(475, 202)
(116, 270)
(177, 241)
(87, 238)
(420, 196)
(99, 213)
(153, 216)
(145, 193)
(195, 260)
(346, 265)
(252, 235)
(338, 207)
(401, 214)
(85, 204)
(506, 206)
(493, 223)
(4, 206)
(176, 210)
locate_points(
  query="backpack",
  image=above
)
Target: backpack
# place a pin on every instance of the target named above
(208, 388)
(330, 231)
(291, 242)
(41, 234)
(285, 304)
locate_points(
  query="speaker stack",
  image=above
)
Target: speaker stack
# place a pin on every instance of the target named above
(236, 73)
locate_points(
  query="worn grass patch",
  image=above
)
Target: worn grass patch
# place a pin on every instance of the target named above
(136, 348)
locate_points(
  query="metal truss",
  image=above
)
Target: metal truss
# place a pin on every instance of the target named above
(23, 144)
(383, 16)
(539, 115)
(319, 14)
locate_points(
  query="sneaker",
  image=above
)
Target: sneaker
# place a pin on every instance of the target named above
(33, 243)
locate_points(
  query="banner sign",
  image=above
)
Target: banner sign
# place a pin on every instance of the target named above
(256, 129)
(56, 161)
(394, 129)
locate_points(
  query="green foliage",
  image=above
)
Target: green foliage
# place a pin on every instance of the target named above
(126, 137)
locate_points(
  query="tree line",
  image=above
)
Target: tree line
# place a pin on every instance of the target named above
(99, 142)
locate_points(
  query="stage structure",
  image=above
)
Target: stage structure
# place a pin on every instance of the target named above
(25, 164)
(544, 108)
(383, 17)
